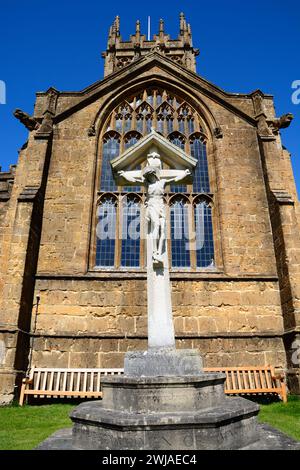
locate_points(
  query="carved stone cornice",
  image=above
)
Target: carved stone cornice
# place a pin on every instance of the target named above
(29, 194)
(282, 197)
(6, 183)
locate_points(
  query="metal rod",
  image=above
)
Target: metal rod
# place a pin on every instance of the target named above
(149, 27)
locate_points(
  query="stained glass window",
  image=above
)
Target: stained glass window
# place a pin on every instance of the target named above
(130, 140)
(204, 235)
(127, 123)
(180, 234)
(178, 140)
(106, 232)
(191, 127)
(201, 178)
(111, 149)
(119, 123)
(160, 124)
(130, 245)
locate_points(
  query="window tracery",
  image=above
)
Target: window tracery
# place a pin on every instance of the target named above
(178, 121)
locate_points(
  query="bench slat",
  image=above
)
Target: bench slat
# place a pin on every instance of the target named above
(71, 381)
(61, 393)
(92, 381)
(57, 381)
(65, 377)
(38, 377)
(254, 390)
(268, 379)
(244, 378)
(78, 381)
(85, 381)
(255, 379)
(233, 379)
(51, 381)
(239, 379)
(45, 375)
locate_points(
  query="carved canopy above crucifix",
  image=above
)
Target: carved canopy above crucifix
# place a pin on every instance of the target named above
(144, 151)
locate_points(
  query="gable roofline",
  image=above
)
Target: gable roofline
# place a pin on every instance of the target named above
(92, 92)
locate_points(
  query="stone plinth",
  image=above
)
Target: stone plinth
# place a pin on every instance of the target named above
(163, 362)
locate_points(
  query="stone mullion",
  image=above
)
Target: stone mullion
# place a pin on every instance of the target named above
(192, 233)
(186, 145)
(165, 124)
(154, 119)
(122, 144)
(197, 124)
(154, 100)
(185, 125)
(118, 244)
(133, 120)
(112, 121)
(188, 151)
(168, 229)
(144, 124)
(142, 233)
(175, 122)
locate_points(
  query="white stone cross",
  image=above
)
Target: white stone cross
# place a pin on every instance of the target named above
(154, 178)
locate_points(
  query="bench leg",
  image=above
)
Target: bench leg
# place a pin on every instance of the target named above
(21, 400)
(283, 393)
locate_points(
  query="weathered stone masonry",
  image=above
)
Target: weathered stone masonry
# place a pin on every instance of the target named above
(57, 310)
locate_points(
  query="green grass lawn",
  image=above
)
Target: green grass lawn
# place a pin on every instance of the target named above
(22, 428)
(283, 416)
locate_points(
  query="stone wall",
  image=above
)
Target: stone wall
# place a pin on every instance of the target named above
(109, 352)
(86, 322)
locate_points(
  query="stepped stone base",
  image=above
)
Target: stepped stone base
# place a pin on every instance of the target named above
(189, 411)
(268, 438)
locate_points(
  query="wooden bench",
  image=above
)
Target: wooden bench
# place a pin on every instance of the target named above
(252, 380)
(55, 382)
(86, 383)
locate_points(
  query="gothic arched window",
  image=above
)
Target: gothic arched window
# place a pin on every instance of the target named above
(190, 206)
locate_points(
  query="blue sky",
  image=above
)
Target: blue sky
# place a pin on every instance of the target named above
(243, 46)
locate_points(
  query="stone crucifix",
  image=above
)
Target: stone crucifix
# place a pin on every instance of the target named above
(160, 321)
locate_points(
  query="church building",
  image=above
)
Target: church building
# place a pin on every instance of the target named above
(72, 272)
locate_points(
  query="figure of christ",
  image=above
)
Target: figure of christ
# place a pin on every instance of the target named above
(155, 209)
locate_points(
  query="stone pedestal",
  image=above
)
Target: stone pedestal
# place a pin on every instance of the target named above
(165, 413)
(164, 402)
(152, 408)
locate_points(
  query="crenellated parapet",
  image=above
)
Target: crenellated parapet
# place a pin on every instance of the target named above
(121, 53)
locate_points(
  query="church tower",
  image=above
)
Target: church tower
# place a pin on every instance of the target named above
(72, 252)
(120, 53)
